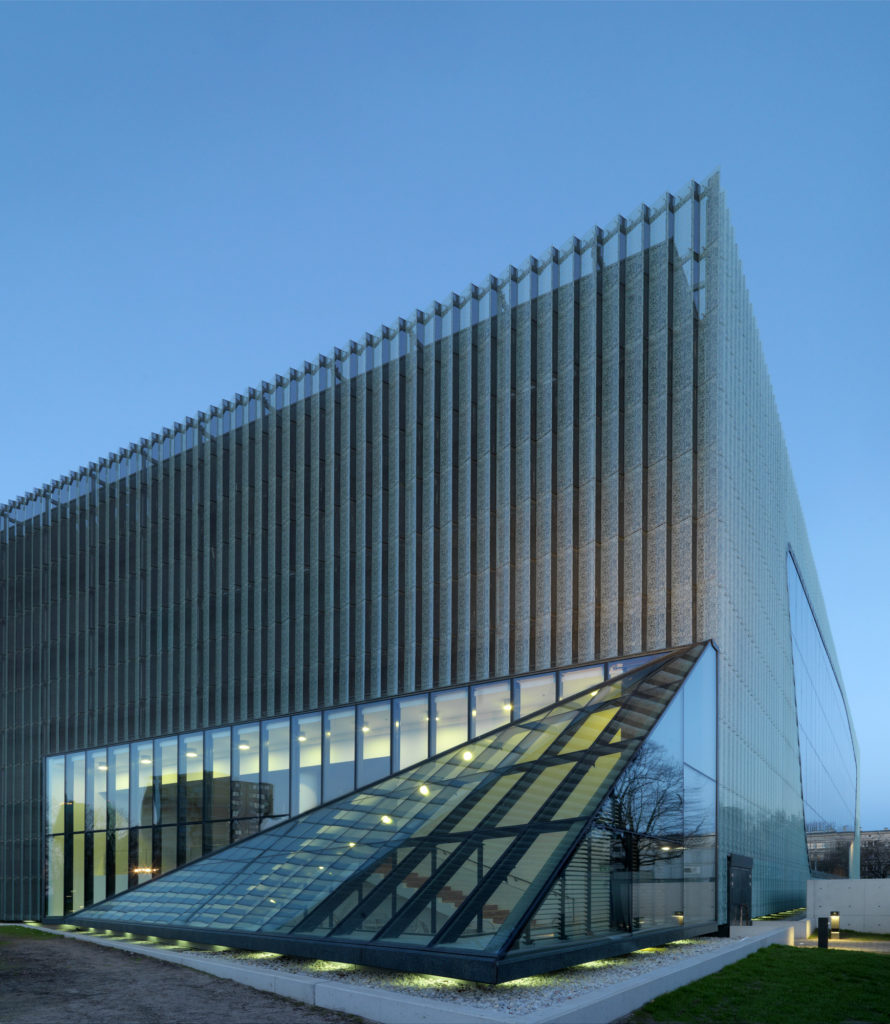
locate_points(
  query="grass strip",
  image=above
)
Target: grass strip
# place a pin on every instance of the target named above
(782, 985)
(19, 931)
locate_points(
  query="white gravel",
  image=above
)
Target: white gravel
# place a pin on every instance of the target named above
(520, 997)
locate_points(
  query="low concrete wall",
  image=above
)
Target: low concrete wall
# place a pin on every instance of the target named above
(863, 903)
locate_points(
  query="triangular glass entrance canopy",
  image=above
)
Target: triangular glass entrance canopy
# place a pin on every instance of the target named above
(438, 868)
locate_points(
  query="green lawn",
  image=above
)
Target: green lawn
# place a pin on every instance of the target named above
(17, 931)
(783, 985)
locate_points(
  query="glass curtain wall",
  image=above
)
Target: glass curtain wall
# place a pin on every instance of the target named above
(611, 793)
(119, 816)
(828, 755)
(648, 862)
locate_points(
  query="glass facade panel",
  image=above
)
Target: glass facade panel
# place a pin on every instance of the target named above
(99, 841)
(307, 749)
(78, 871)
(122, 860)
(194, 841)
(618, 668)
(217, 834)
(699, 859)
(700, 713)
(166, 768)
(828, 755)
(191, 777)
(449, 725)
(218, 773)
(246, 752)
(144, 870)
(243, 827)
(276, 764)
(55, 795)
(55, 870)
(491, 707)
(75, 789)
(97, 788)
(374, 742)
(141, 783)
(580, 679)
(119, 787)
(411, 731)
(460, 875)
(507, 888)
(249, 800)
(534, 693)
(658, 885)
(168, 837)
(339, 752)
(683, 227)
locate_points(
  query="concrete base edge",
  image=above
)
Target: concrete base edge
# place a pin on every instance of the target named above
(597, 1007)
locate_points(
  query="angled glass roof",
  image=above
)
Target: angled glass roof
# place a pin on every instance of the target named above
(447, 859)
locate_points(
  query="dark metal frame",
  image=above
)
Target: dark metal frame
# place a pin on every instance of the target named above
(490, 968)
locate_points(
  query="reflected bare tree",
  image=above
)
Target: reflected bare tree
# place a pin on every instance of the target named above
(648, 798)
(874, 856)
(644, 814)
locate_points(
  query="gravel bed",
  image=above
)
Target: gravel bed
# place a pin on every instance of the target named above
(522, 996)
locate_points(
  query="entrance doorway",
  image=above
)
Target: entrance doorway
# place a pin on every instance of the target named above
(738, 889)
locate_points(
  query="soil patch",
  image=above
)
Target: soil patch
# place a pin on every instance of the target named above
(45, 979)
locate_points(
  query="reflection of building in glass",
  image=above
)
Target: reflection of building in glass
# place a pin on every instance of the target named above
(875, 854)
(830, 853)
(546, 485)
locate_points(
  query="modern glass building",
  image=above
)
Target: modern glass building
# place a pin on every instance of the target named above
(476, 575)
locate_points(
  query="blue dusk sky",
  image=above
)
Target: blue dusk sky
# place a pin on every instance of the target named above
(198, 196)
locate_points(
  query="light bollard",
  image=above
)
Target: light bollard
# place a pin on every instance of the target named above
(823, 933)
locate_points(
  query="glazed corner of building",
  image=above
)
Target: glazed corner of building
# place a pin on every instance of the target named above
(656, 492)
